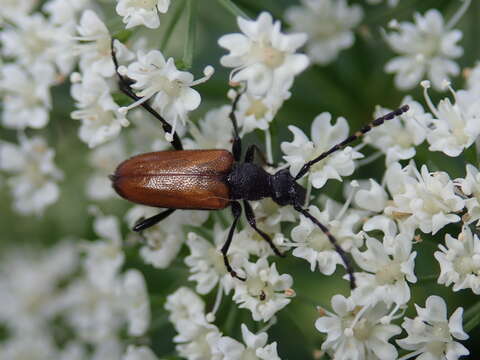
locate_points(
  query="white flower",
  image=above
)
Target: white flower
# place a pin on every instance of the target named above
(164, 240)
(385, 273)
(355, 332)
(372, 197)
(263, 56)
(26, 95)
(426, 47)
(139, 353)
(213, 131)
(455, 126)
(104, 257)
(398, 137)
(30, 281)
(265, 291)
(432, 335)
(97, 111)
(142, 12)
(202, 346)
(29, 346)
(254, 348)
(423, 199)
(103, 160)
(313, 245)
(206, 261)
(324, 136)
(94, 45)
(14, 9)
(460, 261)
(134, 296)
(470, 186)
(64, 11)
(257, 112)
(35, 40)
(169, 87)
(473, 78)
(328, 24)
(34, 175)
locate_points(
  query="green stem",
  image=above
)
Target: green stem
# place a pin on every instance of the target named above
(190, 41)
(472, 311)
(176, 14)
(232, 8)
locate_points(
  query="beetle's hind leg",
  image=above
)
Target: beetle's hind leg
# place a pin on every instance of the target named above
(333, 241)
(237, 212)
(251, 220)
(143, 224)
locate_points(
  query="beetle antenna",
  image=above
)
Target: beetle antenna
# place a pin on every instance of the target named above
(333, 241)
(237, 142)
(377, 122)
(124, 85)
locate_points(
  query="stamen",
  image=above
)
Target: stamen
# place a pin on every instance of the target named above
(207, 72)
(218, 300)
(426, 85)
(349, 330)
(458, 15)
(124, 109)
(346, 205)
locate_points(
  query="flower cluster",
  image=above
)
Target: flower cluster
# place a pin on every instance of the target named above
(109, 293)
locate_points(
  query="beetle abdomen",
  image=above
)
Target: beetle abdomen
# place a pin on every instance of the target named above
(187, 179)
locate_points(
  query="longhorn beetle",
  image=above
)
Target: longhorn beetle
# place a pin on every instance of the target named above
(216, 179)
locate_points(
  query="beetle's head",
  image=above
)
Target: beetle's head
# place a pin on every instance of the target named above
(286, 191)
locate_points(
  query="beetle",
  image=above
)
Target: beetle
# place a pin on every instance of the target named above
(217, 179)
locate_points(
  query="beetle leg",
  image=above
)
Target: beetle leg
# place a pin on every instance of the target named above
(253, 223)
(333, 241)
(146, 223)
(236, 211)
(250, 155)
(124, 85)
(237, 142)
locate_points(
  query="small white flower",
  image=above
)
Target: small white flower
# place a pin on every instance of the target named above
(202, 346)
(164, 240)
(473, 78)
(455, 126)
(26, 95)
(460, 261)
(264, 291)
(14, 9)
(64, 11)
(134, 296)
(372, 197)
(142, 12)
(426, 47)
(470, 186)
(34, 175)
(263, 56)
(328, 24)
(386, 272)
(103, 160)
(186, 309)
(255, 346)
(432, 335)
(35, 40)
(169, 87)
(313, 245)
(206, 261)
(94, 45)
(36, 346)
(398, 137)
(425, 200)
(104, 257)
(139, 353)
(213, 131)
(355, 332)
(97, 111)
(324, 136)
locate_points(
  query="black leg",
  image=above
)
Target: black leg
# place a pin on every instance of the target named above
(124, 85)
(333, 241)
(351, 138)
(236, 211)
(250, 155)
(146, 223)
(251, 220)
(237, 142)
